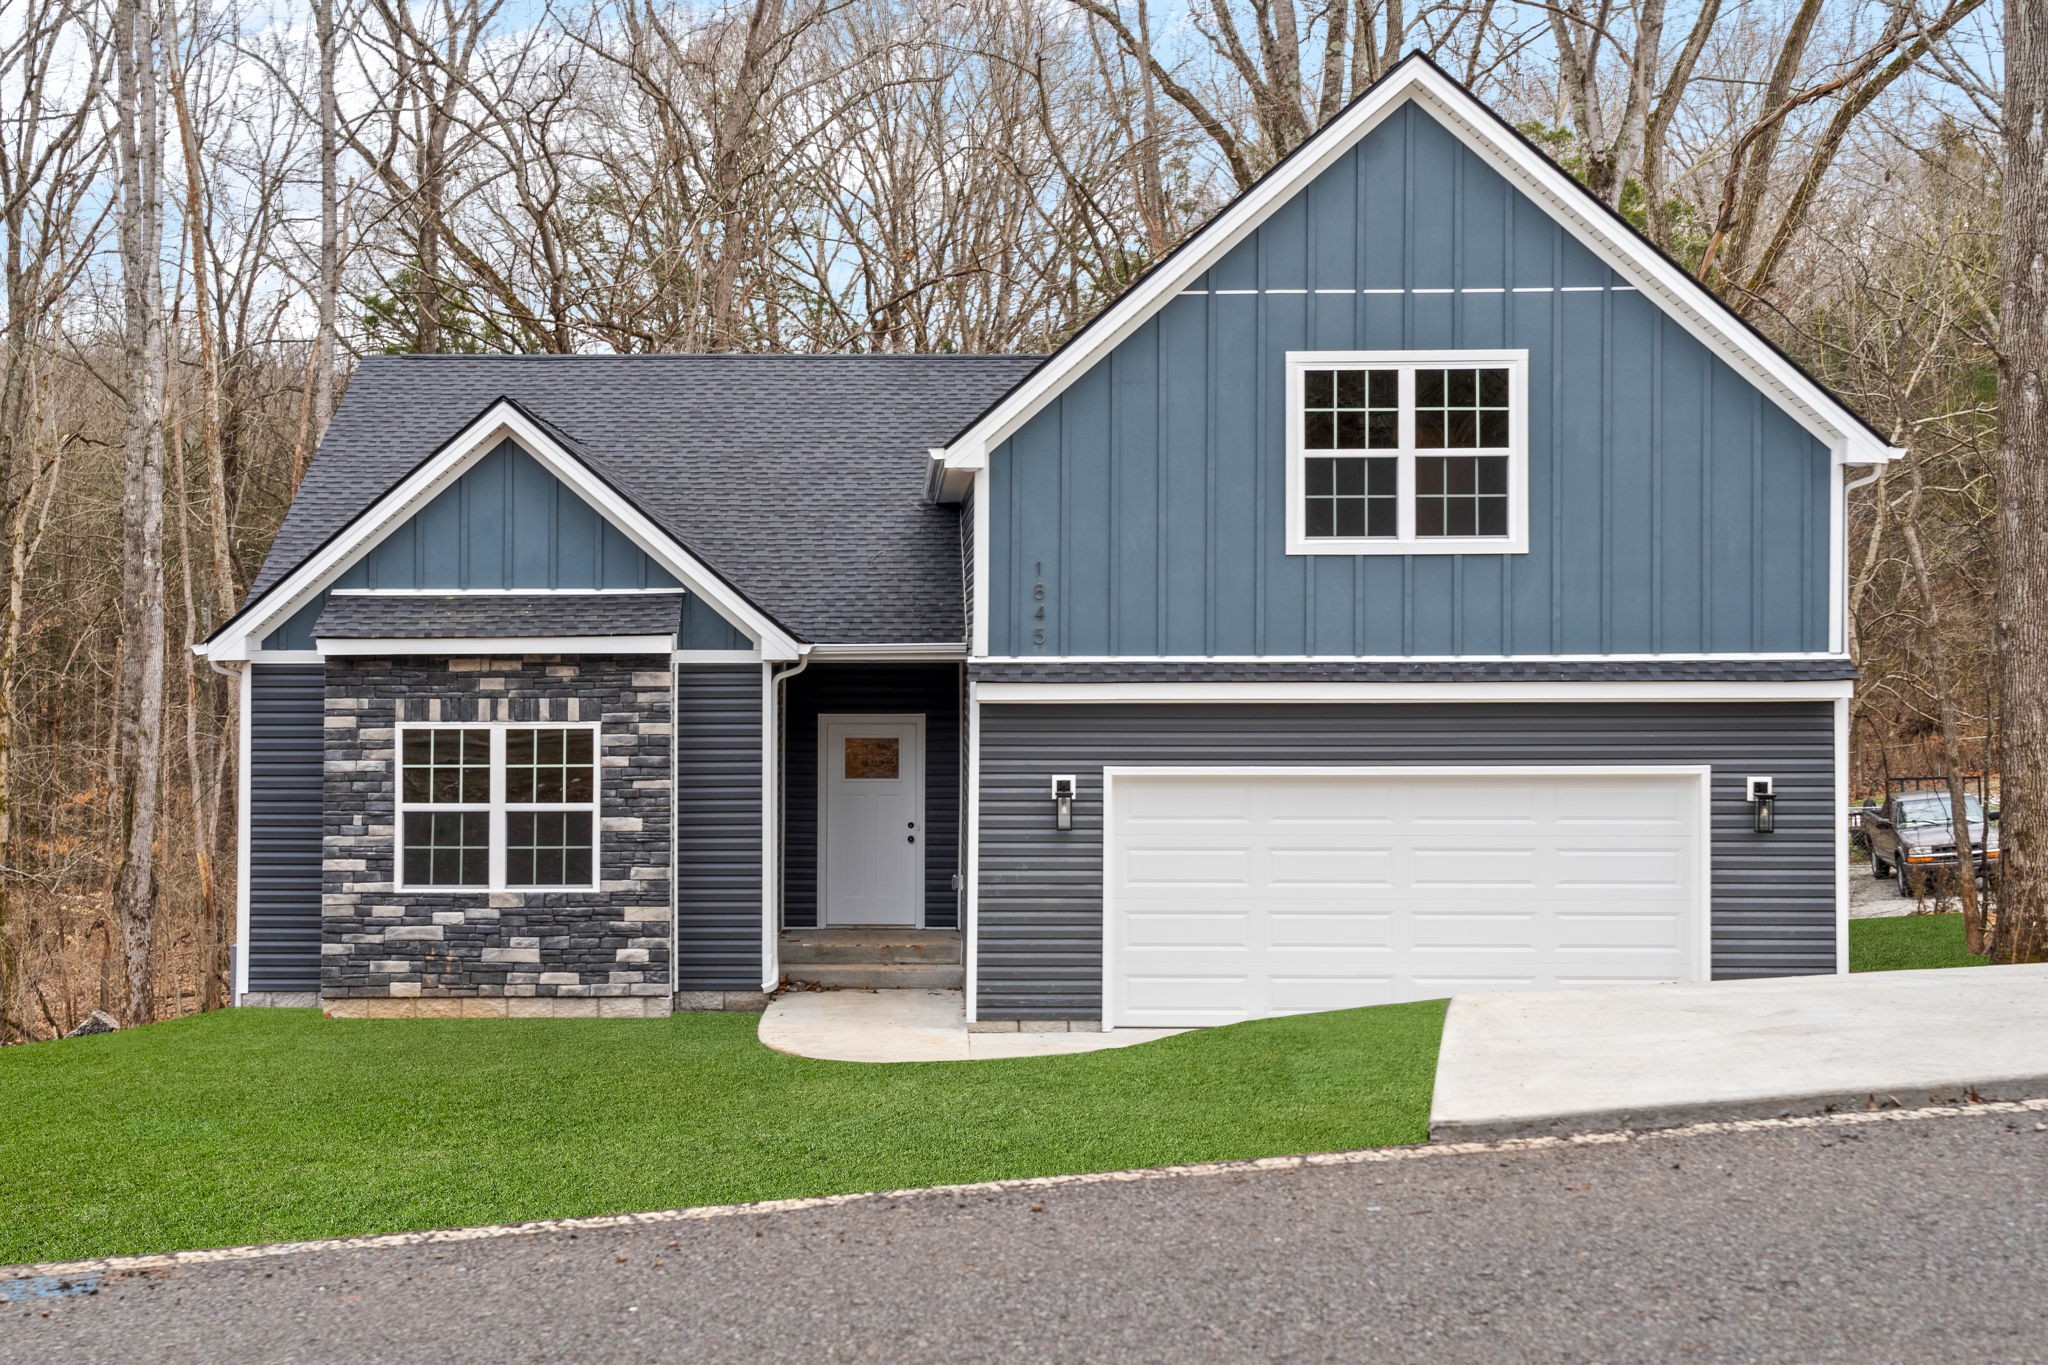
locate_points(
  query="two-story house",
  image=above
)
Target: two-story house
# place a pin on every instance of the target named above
(1414, 584)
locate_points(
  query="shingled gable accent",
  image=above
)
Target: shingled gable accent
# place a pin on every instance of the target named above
(504, 419)
(1417, 78)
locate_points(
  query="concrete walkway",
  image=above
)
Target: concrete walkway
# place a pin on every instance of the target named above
(911, 1026)
(1652, 1056)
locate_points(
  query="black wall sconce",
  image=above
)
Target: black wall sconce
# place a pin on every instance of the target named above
(1063, 788)
(1763, 805)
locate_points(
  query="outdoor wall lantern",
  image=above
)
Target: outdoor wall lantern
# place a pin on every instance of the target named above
(1763, 805)
(1063, 798)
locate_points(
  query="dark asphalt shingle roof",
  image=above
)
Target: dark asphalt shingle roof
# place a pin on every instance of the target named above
(1433, 671)
(799, 480)
(349, 616)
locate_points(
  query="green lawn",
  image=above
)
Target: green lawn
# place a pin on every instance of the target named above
(260, 1125)
(1900, 943)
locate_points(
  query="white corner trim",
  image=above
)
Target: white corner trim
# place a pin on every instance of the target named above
(502, 421)
(771, 836)
(520, 644)
(245, 745)
(1840, 815)
(981, 563)
(1053, 693)
(972, 910)
(1416, 79)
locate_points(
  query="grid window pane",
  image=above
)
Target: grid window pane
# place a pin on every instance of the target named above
(447, 848)
(548, 766)
(1463, 409)
(547, 848)
(1350, 409)
(1351, 497)
(1461, 495)
(446, 767)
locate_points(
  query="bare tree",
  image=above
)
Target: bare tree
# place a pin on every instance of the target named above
(140, 689)
(2023, 477)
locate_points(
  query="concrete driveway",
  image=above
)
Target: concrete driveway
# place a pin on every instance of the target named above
(1651, 1056)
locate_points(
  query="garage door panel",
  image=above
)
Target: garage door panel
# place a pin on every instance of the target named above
(1180, 867)
(1334, 892)
(1181, 928)
(1446, 801)
(1329, 868)
(1622, 804)
(1336, 928)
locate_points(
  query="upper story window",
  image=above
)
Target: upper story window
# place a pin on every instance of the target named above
(1407, 452)
(497, 807)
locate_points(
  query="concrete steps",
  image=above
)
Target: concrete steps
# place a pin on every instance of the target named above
(874, 959)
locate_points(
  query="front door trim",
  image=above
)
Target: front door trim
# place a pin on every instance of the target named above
(826, 723)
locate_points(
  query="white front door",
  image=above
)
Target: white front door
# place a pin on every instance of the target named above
(871, 828)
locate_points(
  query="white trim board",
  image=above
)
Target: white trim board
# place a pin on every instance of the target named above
(503, 421)
(513, 644)
(1702, 775)
(1052, 693)
(1406, 453)
(1399, 658)
(1418, 80)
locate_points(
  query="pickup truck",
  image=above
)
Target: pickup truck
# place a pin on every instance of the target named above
(1911, 835)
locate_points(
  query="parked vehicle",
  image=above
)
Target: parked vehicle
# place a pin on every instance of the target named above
(1913, 835)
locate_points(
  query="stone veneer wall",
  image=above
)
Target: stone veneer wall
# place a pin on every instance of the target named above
(518, 952)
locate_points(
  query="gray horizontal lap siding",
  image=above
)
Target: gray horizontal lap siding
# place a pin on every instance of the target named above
(718, 828)
(1673, 508)
(287, 703)
(933, 690)
(1040, 913)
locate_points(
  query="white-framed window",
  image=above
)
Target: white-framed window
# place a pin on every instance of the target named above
(1407, 452)
(497, 806)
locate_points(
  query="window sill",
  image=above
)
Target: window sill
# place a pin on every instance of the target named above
(1438, 545)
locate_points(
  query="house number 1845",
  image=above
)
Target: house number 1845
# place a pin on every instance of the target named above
(1038, 597)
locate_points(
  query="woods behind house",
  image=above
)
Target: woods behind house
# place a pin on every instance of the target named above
(210, 209)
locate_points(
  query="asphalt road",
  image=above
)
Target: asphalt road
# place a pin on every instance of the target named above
(1922, 1241)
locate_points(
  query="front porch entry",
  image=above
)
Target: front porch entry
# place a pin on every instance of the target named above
(871, 821)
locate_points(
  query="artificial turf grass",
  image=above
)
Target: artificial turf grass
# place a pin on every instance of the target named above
(265, 1125)
(1902, 943)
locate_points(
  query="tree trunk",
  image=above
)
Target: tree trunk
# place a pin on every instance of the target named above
(1941, 676)
(2022, 592)
(139, 685)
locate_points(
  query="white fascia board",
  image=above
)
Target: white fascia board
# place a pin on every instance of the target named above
(1705, 316)
(503, 420)
(1171, 693)
(524, 644)
(887, 653)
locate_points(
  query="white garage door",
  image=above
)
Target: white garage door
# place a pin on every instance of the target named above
(1236, 895)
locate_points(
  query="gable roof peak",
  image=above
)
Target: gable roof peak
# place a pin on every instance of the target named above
(1418, 78)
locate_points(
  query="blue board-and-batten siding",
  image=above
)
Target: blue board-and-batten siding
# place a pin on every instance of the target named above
(931, 690)
(718, 828)
(508, 523)
(1673, 508)
(286, 724)
(1039, 916)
